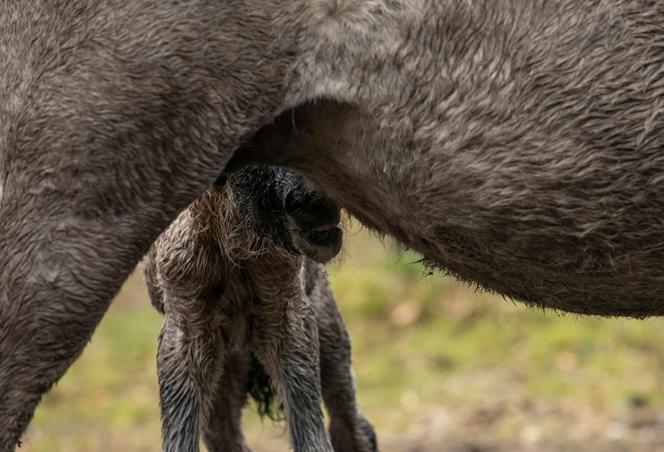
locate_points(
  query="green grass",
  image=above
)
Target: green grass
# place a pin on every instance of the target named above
(439, 367)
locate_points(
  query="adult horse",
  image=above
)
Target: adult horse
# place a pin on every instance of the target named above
(515, 143)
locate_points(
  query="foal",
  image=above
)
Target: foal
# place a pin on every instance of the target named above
(232, 281)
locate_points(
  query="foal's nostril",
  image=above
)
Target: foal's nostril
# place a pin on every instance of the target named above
(327, 209)
(311, 210)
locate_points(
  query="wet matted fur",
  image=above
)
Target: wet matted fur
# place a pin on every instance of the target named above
(232, 300)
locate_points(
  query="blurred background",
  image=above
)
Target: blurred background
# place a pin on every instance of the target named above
(439, 367)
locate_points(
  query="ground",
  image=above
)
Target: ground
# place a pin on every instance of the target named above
(439, 368)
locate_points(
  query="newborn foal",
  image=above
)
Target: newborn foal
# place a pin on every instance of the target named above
(230, 276)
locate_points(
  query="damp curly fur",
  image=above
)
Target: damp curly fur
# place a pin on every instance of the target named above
(244, 316)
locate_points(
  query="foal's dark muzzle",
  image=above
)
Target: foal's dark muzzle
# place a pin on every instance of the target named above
(315, 220)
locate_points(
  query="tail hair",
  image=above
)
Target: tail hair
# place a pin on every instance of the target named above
(259, 387)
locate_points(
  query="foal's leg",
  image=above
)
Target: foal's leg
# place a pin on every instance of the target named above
(349, 430)
(287, 346)
(223, 430)
(189, 362)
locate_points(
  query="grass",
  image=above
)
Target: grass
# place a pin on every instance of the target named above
(439, 367)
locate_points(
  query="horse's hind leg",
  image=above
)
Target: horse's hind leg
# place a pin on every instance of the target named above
(60, 266)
